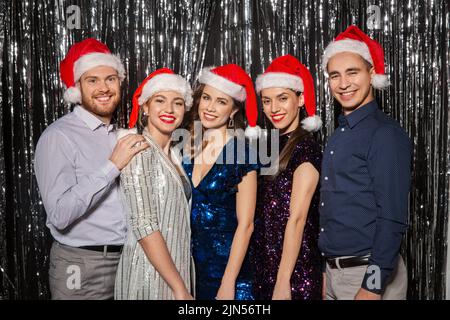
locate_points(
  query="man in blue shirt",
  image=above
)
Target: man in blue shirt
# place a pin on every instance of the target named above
(365, 179)
(78, 160)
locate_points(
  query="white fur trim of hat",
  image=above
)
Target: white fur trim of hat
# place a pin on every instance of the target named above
(278, 80)
(220, 83)
(379, 81)
(93, 60)
(346, 45)
(167, 82)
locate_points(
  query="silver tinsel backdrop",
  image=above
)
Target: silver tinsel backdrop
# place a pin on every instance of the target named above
(188, 34)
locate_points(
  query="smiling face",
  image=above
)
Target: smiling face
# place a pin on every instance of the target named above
(100, 91)
(165, 112)
(350, 80)
(281, 107)
(215, 108)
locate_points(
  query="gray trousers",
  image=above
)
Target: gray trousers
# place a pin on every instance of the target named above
(343, 284)
(79, 274)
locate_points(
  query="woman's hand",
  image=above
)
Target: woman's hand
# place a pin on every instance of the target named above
(226, 291)
(183, 295)
(282, 291)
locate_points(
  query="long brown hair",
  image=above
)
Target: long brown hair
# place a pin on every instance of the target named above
(192, 116)
(294, 138)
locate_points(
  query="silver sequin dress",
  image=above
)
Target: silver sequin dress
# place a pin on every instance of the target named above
(157, 198)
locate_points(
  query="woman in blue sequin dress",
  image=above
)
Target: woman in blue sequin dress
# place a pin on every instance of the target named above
(223, 172)
(285, 251)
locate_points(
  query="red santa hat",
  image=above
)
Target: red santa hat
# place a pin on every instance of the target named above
(235, 82)
(355, 40)
(82, 56)
(162, 79)
(287, 72)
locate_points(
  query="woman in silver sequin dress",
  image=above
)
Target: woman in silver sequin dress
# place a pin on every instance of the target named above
(156, 258)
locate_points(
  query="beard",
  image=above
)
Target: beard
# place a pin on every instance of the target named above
(104, 110)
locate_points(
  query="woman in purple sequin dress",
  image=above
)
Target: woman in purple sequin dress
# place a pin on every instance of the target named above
(285, 254)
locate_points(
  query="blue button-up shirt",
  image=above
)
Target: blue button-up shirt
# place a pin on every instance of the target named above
(77, 182)
(365, 182)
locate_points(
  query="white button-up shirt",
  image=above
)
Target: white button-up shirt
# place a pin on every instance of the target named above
(77, 182)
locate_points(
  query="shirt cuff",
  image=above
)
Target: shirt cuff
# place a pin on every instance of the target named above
(110, 171)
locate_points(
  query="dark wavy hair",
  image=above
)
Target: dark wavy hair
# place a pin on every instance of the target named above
(192, 116)
(294, 138)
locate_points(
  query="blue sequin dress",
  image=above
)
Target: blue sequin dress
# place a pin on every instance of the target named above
(214, 222)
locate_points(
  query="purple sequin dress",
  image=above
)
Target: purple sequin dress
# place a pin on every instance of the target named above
(271, 216)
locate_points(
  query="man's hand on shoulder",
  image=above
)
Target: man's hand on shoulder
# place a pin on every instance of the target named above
(126, 148)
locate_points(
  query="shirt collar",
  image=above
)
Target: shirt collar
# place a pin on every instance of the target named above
(359, 114)
(90, 120)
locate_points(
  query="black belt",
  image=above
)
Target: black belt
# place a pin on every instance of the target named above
(347, 262)
(108, 248)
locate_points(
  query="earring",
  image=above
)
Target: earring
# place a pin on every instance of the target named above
(231, 123)
(144, 118)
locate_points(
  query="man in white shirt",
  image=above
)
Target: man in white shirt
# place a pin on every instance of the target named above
(78, 160)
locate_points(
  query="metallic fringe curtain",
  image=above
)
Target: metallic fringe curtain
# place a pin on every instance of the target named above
(186, 35)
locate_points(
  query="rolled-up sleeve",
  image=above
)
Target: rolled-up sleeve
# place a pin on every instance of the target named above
(389, 164)
(67, 197)
(138, 189)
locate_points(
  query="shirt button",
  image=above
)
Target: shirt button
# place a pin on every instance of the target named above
(322, 204)
(342, 129)
(323, 254)
(326, 178)
(331, 152)
(322, 229)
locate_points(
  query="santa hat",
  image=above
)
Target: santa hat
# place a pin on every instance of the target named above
(287, 72)
(162, 79)
(355, 40)
(82, 56)
(235, 82)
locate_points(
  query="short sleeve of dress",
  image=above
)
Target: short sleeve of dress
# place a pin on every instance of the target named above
(307, 150)
(249, 164)
(240, 159)
(138, 187)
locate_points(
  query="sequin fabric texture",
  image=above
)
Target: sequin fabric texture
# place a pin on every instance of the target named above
(155, 198)
(214, 222)
(271, 217)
